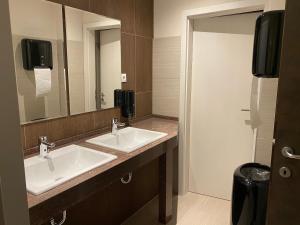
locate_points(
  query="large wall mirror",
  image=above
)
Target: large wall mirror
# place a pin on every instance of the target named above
(41, 93)
(94, 60)
(41, 31)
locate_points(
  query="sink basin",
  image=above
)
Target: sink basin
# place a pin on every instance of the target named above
(62, 165)
(128, 139)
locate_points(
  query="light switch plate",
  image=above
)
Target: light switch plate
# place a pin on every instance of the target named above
(124, 77)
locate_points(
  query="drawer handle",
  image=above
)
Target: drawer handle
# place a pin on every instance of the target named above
(128, 180)
(52, 221)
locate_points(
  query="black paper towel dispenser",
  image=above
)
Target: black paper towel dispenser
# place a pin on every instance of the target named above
(36, 54)
(267, 44)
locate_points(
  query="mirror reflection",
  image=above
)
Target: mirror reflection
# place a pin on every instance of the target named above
(94, 60)
(39, 59)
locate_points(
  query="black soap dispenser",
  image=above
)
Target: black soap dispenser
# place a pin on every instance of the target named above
(128, 108)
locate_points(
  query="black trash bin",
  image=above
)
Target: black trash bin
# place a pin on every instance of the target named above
(250, 194)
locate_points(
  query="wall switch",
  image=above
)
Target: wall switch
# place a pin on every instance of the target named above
(124, 77)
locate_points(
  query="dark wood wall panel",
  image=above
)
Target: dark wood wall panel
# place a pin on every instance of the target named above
(123, 10)
(144, 17)
(137, 37)
(144, 104)
(66, 129)
(60, 1)
(81, 4)
(128, 60)
(143, 64)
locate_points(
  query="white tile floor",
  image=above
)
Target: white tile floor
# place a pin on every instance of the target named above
(193, 209)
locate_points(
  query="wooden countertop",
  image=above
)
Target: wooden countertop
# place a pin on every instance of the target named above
(156, 124)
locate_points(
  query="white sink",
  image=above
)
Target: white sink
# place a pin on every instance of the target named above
(128, 139)
(62, 165)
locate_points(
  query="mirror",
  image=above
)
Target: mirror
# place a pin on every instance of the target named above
(39, 61)
(94, 60)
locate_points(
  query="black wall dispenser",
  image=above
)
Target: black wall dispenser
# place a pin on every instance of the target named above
(128, 108)
(267, 44)
(125, 99)
(36, 54)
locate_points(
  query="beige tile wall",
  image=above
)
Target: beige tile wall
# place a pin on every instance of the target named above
(266, 117)
(166, 76)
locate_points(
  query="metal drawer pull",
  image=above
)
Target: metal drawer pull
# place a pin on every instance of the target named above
(128, 180)
(52, 221)
(288, 152)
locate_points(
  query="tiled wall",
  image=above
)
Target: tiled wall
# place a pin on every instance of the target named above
(266, 120)
(166, 76)
(136, 44)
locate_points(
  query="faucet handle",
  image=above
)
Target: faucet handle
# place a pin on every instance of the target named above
(43, 139)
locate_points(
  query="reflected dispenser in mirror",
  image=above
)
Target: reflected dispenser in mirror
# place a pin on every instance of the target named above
(128, 108)
(36, 54)
(125, 99)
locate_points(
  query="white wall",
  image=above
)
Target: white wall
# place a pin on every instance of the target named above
(36, 17)
(168, 14)
(167, 50)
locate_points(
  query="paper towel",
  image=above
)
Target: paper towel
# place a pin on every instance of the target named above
(42, 81)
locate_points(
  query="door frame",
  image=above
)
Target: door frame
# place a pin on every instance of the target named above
(231, 8)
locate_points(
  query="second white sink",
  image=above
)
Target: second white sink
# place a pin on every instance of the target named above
(128, 139)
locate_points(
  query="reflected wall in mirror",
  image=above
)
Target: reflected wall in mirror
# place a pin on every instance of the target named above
(94, 60)
(41, 94)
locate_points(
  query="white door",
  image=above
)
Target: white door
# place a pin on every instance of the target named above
(221, 87)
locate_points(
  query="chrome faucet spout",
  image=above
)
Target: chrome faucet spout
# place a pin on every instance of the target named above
(45, 146)
(116, 125)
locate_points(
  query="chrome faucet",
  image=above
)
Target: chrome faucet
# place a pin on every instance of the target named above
(116, 125)
(45, 146)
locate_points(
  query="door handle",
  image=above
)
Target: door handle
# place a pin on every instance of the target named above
(288, 152)
(246, 110)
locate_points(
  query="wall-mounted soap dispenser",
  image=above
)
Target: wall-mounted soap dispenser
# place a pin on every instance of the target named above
(36, 54)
